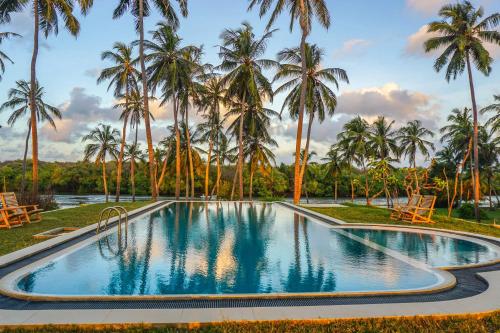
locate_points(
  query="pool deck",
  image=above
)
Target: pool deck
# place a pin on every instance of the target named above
(480, 296)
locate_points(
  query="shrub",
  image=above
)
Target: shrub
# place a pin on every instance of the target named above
(466, 211)
(45, 201)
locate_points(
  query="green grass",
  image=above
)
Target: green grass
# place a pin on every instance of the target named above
(18, 238)
(460, 324)
(365, 214)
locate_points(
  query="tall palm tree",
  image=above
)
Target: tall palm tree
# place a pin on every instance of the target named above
(166, 67)
(19, 99)
(320, 99)
(258, 150)
(334, 167)
(303, 11)
(412, 139)
(246, 83)
(46, 15)
(494, 121)
(104, 141)
(355, 137)
(133, 153)
(212, 128)
(141, 9)
(123, 77)
(4, 57)
(463, 32)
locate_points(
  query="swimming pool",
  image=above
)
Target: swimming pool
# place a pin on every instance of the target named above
(231, 249)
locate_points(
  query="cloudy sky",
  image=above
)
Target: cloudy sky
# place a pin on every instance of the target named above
(379, 44)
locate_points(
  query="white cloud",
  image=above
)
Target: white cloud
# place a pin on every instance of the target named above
(351, 47)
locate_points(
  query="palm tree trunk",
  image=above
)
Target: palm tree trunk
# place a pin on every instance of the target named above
(335, 192)
(417, 186)
(367, 194)
(207, 168)
(104, 179)
(163, 171)
(240, 146)
(186, 181)
(132, 176)
(459, 171)
(306, 149)
(190, 153)
(489, 192)
(477, 181)
(235, 178)
(250, 192)
(122, 148)
(177, 151)
(34, 131)
(297, 186)
(147, 123)
(25, 156)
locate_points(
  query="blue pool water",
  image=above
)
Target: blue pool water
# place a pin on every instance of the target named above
(228, 248)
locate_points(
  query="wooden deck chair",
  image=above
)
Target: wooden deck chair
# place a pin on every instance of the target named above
(10, 217)
(424, 211)
(413, 202)
(9, 201)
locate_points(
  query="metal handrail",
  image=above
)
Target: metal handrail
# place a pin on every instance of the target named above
(109, 210)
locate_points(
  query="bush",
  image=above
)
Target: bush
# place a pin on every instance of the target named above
(466, 211)
(45, 201)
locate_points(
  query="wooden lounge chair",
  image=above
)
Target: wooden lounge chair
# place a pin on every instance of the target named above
(423, 213)
(10, 218)
(399, 211)
(9, 201)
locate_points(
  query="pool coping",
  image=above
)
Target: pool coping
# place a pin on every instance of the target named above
(9, 282)
(482, 302)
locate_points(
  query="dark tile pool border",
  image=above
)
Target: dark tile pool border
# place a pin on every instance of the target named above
(468, 284)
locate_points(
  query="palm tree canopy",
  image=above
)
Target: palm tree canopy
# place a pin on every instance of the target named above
(134, 110)
(462, 32)
(382, 140)
(320, 99)
(316, 8)
(165, 8)
(412, 140)
(104, 141)
(459, 130)
(4, 57)
(354, 139)
(19, 101)
(50, 12)
(240, 53)
(494, 121)
(123, 72)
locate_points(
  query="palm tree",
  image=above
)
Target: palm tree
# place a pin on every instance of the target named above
(167, 64)
(213, 97)
(303, 11)
(133, 153)
(494, 121)
(4, 57)
(412, 139)
(46, 18)
(104, 141)
(246, 84)
(141, 9)
(334, 167)
(19, 100)
(462, 35)
(320, 99)
(355, 139)
(123, 77)
(258, 150)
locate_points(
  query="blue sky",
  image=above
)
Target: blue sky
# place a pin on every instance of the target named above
(377, 42)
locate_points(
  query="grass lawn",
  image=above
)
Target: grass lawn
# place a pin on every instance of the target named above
(365, 214)
(460, 324)
(18, 238)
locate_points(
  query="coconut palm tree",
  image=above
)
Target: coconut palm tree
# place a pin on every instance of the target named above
(46, 14)
(133, 153)
(141, 9)
(212, 128)
(303, 11)
(320, 99)
(4, 57)
(355, 140)
(246, 83)
(257, 148)
(19, 100)
(167, 65)
(334, 166)
(122, 75)
(462, 34)
(494, 121)
(104, 141)
(412, 139)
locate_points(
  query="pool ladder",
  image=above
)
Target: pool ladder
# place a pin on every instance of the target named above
(115, 209)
